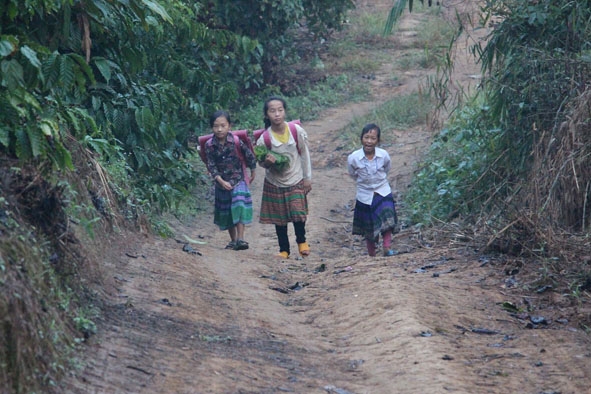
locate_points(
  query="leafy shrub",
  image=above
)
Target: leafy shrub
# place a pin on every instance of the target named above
(452, 179)
(536, 62)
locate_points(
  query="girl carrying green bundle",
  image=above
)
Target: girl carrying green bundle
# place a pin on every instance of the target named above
(287, 180)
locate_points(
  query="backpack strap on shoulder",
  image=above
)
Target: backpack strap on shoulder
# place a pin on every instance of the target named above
(294, 133)
(237, 144)
(240, 156)
(267, 139)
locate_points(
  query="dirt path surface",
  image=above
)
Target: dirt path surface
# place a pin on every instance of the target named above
(429, 320)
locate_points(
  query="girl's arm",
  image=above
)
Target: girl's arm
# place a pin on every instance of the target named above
(350, 169)
(210, 162)
(387, 163)
(213, 170)
(269, 160)
(304, 152)
(249, 158)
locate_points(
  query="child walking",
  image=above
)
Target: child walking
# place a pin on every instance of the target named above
(375, 210)
(233, 201)
(285, 189)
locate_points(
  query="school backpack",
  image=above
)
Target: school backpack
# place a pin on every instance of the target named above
(238, 135)
(267, 138)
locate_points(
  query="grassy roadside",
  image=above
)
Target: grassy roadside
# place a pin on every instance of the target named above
(355, 54)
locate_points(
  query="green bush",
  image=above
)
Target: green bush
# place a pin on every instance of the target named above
(452, 179)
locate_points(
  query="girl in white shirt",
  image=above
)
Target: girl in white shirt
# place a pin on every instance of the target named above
(375, 209)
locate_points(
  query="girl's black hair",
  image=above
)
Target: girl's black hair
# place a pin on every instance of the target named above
(266, 108)
(369, 127)
(219, 114)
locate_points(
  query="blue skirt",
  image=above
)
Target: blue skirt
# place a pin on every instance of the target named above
(372, 220)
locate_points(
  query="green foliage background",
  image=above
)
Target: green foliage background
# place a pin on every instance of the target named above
(135, 80)
(536, 65)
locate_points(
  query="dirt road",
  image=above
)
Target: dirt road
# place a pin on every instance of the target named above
(434, 319)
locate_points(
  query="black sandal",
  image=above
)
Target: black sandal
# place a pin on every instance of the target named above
(241, 245)
(231, 245)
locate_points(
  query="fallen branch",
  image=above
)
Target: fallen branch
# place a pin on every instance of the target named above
(139, 369)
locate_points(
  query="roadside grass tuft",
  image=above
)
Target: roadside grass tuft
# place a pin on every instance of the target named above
(397, 113)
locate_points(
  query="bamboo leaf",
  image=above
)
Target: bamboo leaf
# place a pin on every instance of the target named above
(104, 67)
(144, 118)
(22, 146)
(158, 9)
(47, 128)
(31, 55)
(36, 139)
(8, 45)
(66, 74)
(50, 70)
(30, 100)
(12, 74)
(394, 15)
(84, 67)
(4, 136)
(156, 106)
(62, 157)
(15, 110)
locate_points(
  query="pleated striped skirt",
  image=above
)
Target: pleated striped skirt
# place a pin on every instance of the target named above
(282, 205)
(372, 220)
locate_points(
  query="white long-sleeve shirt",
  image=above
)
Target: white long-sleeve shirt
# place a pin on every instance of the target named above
(371, 175)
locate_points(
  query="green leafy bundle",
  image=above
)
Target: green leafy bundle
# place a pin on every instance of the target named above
(281, 161)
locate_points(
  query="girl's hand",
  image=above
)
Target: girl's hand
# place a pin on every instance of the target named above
(270, 160)
(307, 186)
(226, 185)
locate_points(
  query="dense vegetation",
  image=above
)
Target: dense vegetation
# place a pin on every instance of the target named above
(133, 80)
(517, 152)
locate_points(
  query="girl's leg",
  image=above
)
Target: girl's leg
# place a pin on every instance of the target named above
(232, 231)
(387, 239)
(300, 231)
(241, 244)
(282, 238)
(371, 247)
(240, 231)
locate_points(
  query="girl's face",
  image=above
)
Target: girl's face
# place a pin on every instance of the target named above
(276, 112)
(370, 140)
(220, 128)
